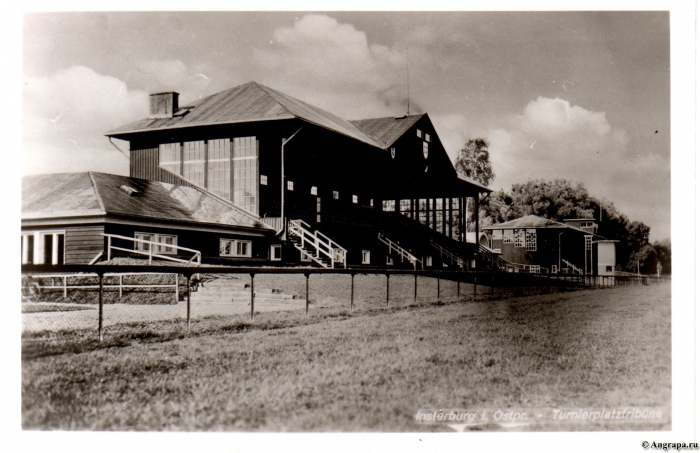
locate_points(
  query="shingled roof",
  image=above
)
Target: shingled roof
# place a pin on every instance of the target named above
(246, 103)
(92, 193)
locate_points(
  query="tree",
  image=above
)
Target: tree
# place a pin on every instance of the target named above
(663, 256)
(474, 161)
(560, 199)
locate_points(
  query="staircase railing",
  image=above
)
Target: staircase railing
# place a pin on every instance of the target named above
(405, 254)
(444, 252)
(573, 267)
(153, 246)
(318, 241)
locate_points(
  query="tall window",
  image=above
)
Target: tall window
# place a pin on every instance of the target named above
(438, 214)
(193, 161)
(588, 242)
(405, 207)
(507, 236)
(531, 240)
(422, 211)
(219, 168)
(245, 173)
(169, 157)
(519, 238)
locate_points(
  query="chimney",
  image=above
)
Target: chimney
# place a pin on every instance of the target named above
(163, 105)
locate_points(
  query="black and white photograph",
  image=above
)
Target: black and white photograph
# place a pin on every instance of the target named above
(448, 224)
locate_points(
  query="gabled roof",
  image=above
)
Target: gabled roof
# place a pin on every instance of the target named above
(246, 103)
(385, 131)
(92, 193)
(533, 221)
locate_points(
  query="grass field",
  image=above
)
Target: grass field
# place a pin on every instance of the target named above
(369, 370)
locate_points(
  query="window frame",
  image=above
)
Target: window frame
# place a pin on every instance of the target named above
(366, 257)
(234, 248)
(161, 248)
(277, 247)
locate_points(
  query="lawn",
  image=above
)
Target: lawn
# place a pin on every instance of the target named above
(369, 370)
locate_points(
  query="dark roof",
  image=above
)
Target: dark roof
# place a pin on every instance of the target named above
(92, 193)
(533, 221)
(244, 103)
(385, 131)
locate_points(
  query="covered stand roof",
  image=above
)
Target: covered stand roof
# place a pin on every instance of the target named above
(245, 103)
(92, 193)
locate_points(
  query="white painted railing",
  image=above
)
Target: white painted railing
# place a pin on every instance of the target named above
(197, 255)
(319, 242)
(574, 268)
(405, 254)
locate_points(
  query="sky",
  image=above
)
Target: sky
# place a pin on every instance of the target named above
(583, 96)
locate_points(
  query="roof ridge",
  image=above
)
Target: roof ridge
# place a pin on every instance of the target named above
(97, 192)
(277, 94)
(388, 117)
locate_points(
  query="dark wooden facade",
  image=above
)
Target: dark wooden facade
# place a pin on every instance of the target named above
(351, 180)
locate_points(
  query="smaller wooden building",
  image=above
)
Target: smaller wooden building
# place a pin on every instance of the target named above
(72, 218)
(536, 244)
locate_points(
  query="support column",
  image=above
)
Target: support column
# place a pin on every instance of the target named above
(461, 220)
(451, 219)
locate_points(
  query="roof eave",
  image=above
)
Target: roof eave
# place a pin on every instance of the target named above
(116, 133)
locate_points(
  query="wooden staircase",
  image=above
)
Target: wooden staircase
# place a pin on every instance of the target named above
(317, 246)
(397, 249)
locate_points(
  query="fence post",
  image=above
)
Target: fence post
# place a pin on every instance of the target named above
(99, 320)
(120, 286)
(177, 277)
(252, 295)
(415, 288)
(352, 290)
(109, 248)
(387, 290)
(474, 287)
(65, 287)
(177, 287)
(150, 253)
(306, 274)
(438, 289)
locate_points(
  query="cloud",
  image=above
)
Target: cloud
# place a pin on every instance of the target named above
(65, 116)
(332, 65)
(551, 138)
(556, 119)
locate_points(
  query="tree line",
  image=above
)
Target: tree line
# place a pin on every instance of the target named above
(560, 199)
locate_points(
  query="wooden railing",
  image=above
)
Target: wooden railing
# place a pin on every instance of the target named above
(405, 254)
(573, 267)
(197, 255)
(318, 241)
(454, 259)
(64, 286)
